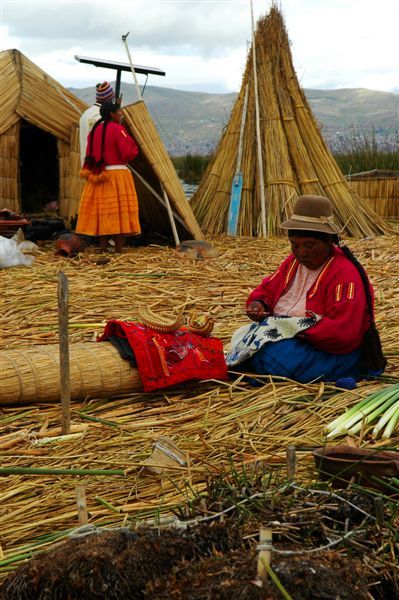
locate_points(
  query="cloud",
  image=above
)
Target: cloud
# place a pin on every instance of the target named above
(202, 44)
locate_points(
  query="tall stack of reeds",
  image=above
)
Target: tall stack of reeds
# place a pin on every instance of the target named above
(380, 189)
(295, 156)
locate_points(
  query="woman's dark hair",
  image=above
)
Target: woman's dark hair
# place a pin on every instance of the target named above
(372, 357)
(107, 108)
(105, 111)
(317, 235)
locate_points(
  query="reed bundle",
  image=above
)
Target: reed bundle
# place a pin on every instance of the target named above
(380, 189)
(96, 370)
(296, 158)
(215, 425)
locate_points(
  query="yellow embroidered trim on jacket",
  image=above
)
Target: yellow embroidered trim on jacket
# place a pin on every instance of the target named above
(350, 291)
(320, 277)
(273, 275)
(290, 271)
(338, 292)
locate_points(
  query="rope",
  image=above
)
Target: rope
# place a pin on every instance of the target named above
(280, 182)
(333, 183)
(305, 181)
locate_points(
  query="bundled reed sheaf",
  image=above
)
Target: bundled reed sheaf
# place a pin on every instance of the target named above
(295, 157)
(380, 189)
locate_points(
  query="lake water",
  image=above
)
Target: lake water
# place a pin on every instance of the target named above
(189, 188)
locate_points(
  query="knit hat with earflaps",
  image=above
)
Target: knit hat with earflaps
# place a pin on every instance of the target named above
(312, 213)
(104, 92)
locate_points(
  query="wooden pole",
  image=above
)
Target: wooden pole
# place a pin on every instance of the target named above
(265, 551)
(63, 294)
(291, 463)
(258, 134)
(81, 505)
(136, 83)
(171, 219)
(242, 127)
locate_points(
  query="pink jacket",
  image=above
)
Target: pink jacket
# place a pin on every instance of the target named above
(337, 295)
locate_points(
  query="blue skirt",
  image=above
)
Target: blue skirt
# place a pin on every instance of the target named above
(298, 360)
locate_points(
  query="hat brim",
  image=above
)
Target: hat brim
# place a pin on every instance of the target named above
(323, 227)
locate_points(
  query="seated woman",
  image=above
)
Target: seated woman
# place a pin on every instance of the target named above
(323, 276)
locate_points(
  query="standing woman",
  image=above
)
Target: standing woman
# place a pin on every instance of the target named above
(109, 206)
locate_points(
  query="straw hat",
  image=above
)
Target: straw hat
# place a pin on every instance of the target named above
(312, 213)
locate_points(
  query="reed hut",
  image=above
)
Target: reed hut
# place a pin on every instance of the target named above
(36, 120)
(380, 189)
(295, 157)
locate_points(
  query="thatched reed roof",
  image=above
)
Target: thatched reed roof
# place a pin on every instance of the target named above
(29, 93)
(295, 157)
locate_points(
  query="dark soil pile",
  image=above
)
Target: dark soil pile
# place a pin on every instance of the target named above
(113, 565)
(233, 576)
(211, 562)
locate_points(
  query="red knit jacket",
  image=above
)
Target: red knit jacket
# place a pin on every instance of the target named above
(119, 146)
(337, 295)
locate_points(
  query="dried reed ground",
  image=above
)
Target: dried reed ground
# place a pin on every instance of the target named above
(215, 424)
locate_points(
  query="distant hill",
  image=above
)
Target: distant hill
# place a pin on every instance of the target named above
(193, 121)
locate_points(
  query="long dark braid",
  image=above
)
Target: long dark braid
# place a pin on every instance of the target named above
(372, 357)
(90, 161)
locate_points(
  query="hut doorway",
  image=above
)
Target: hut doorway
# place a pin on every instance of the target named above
(39, 169)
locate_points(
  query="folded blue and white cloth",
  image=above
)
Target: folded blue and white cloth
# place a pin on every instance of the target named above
(247, 340)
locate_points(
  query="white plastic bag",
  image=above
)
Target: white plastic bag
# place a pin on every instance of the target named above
(11, 255)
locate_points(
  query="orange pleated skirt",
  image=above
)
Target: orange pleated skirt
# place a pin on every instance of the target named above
(109, 207)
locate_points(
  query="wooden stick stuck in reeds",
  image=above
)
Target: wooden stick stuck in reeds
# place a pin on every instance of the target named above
(63, 319)
(265, 552)
(81, 505)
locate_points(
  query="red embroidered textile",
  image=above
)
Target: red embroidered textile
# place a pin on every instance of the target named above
(337, 295)
(166, 359)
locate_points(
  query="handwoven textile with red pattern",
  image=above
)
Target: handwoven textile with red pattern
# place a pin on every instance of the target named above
(166, 359)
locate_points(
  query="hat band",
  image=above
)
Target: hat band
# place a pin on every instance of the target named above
(313, 219)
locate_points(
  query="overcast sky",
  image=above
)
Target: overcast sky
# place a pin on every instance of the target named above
(202, 44)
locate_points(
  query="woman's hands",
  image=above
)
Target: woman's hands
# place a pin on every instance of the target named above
(256, 311)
